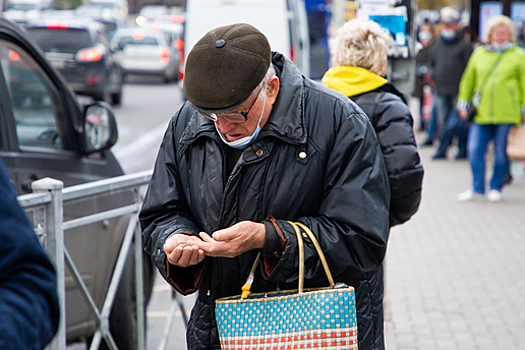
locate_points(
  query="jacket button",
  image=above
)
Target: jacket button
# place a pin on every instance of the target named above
(259, 152)
(276, 254)
(158, 251)
(302, 155)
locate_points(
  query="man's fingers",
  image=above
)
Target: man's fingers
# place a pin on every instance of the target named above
(174, 255)
(185, 258)
(206, 237)
(197, 257)
(221, 235)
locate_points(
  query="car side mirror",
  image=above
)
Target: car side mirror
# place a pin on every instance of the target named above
(100, 127)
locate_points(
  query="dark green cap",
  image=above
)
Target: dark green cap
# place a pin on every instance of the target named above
(225, 66)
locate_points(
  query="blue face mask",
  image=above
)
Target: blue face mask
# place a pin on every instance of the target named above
(245, 141)
(448, 34)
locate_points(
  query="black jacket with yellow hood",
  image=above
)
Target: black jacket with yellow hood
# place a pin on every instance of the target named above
(393, 123)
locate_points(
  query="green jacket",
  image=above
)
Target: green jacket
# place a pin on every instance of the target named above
(503, 96)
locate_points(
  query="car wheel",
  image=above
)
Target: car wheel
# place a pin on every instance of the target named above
(123, 318)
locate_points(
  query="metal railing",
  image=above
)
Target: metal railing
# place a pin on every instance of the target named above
(45, 208)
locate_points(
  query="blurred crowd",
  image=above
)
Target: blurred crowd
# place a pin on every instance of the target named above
(471, 93)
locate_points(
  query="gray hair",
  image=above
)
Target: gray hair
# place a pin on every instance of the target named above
(500, 21)
(360, 43)
(270, 73)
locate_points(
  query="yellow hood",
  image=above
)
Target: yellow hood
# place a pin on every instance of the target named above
(352, 80)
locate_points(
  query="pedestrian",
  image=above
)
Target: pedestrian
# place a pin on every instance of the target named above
(258, 144)
(449, 55)
(494, 81)
(29, 310)
(424, 85)
(359, 55)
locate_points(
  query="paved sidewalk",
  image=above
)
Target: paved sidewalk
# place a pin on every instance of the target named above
(455, 273)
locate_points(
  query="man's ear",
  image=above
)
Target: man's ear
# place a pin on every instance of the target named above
(272, 89)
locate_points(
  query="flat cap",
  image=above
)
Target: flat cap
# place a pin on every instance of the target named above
(449, 15)
(225, 66)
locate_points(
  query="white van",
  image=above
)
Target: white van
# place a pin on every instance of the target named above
(284, 22)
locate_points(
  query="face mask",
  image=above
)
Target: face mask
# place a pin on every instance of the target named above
(424, 36)
(448, 34)
(245, 141)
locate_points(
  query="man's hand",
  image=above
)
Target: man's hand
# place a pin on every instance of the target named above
(181, 254)
(232, 241)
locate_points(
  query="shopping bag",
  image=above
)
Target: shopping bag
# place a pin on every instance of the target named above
(516, 142)
(294, 319)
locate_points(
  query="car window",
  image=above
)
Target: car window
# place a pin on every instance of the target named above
(62, 40)
(36, 101)
(136, 40)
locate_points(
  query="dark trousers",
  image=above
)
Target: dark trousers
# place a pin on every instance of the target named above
(454, 127)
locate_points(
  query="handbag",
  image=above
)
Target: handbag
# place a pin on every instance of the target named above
(471, 112)
(516, 142)
(291, 319)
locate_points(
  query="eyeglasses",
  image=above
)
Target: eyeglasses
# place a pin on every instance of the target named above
(233, 117)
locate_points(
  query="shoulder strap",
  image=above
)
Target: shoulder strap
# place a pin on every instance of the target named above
(489, 74)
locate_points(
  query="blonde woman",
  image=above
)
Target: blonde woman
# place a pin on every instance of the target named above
(494, 81)
(359, 55)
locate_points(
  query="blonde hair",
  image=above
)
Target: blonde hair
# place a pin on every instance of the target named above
(500, 21)
(360, 43)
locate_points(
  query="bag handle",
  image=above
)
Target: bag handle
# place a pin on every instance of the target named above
(300, 243)
(489, 74)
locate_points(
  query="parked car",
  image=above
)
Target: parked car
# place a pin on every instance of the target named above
(45, 132)
(174, 34)
(143, 51)
(79, 49)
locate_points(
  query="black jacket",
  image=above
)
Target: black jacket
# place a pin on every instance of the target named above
(340, 190)
(447, 61)
(393, 123)
(390, 116)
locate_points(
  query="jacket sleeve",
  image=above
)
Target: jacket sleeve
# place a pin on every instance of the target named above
(521, 79)
(165, 212)
(394, 128)
(29, 306)
(468, 82)
(352, 225)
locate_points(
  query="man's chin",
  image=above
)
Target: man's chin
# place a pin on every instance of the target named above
(232, 138)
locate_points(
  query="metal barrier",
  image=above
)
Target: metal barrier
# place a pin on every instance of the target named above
(45, 208)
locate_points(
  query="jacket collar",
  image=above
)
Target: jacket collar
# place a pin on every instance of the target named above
(286, 120)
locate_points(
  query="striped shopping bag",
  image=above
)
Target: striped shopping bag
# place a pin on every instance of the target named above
(286, 320)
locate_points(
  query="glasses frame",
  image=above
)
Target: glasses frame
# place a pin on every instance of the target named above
(232, 117)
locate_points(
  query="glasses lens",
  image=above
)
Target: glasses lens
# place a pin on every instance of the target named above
(233, 117)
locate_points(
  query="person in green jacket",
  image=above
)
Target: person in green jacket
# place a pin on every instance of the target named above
(494, 81)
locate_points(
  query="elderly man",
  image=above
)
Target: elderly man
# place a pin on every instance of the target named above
(448, 57)
(258, 144)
